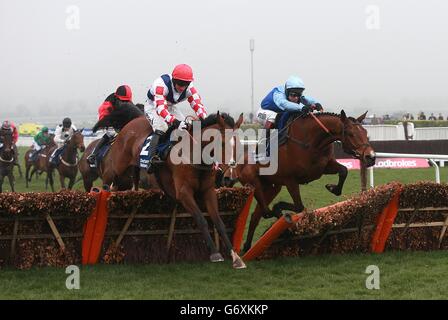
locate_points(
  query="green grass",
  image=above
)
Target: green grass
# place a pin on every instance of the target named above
(404, 275)
(416, 275)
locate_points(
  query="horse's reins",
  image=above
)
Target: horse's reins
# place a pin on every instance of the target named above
(66, 163)
(320, 123)
(6, 161)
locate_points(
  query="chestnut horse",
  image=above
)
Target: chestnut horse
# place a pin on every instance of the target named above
(68, 160)
(6, 158)
(183, 182)
(307, 155)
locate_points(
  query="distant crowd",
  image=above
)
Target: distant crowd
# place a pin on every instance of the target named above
(422, 116)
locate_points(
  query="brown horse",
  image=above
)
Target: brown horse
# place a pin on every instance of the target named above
(307, 155)
(68, 160)
(6, 158)
(89, 174)
(41, 164)
(184, 182)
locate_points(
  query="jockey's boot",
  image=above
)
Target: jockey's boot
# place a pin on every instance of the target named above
(33, 155)
(154, 158)
(52, 160)
(263, 154)
(92, 156)
(16, 155)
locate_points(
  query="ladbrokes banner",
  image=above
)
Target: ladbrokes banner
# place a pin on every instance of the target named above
(393, 163)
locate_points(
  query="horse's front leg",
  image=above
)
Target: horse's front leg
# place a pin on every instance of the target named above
(211, 202)
(136, 178)
(266, 196)
(50, 180)
(334, 167)
(297, 205)
(185, 195)
(19, 167)
(11, 180)
(62, 180)
(71, 182)
(27, 175)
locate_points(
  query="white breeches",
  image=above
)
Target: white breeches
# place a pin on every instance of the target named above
(265, 115)
(156, 121)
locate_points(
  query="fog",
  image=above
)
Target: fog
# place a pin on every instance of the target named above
(62, 58)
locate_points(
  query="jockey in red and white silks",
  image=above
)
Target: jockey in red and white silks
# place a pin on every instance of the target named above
(166, 92)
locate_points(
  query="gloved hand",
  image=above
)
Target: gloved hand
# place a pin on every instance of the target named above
(181, 125)
(305, 109)
(317, 107)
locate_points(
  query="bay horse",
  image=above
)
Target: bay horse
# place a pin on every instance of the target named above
(184, 182)
(6, 158)
(307, 155)
(68, 160)
(41, 164)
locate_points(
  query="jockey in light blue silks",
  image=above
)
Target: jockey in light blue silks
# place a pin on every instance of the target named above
(287, 98)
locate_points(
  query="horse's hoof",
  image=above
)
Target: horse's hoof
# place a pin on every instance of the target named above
(333, 189)
(268, 214)
(277, 211)
(216, 257)
(239, 264)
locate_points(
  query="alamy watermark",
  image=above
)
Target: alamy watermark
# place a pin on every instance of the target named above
(373, 21)
(373, 280)
(73, 281)
(214, 146)
(72, 21)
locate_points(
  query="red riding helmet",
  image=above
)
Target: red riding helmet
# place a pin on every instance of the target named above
(124, 93)
(183, 72)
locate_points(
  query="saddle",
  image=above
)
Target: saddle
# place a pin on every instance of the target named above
(162, 151)
(102, 152)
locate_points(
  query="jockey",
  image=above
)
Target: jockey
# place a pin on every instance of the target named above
(9, 125)
(285, 98)
(41, 140)
(117, 101)
(164, 94)
(62, 134)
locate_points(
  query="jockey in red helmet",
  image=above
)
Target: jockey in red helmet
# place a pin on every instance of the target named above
(9, 125)
(165, 93)
(123, 93)
(114, 112)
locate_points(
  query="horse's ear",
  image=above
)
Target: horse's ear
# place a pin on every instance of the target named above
(240, 121)
(361, 118)
(220, 120)
(343, 115)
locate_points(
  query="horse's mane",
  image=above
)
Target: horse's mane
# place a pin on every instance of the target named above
(213, 119)
(321, 114)
(119, 117)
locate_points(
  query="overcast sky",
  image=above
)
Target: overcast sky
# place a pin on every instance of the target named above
(383, 56)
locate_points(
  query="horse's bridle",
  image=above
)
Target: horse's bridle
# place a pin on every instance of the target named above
(353, 152)
(66, 163)
(342, 138)
(4, 160)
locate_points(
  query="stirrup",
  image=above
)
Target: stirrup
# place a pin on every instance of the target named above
(91, 159)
